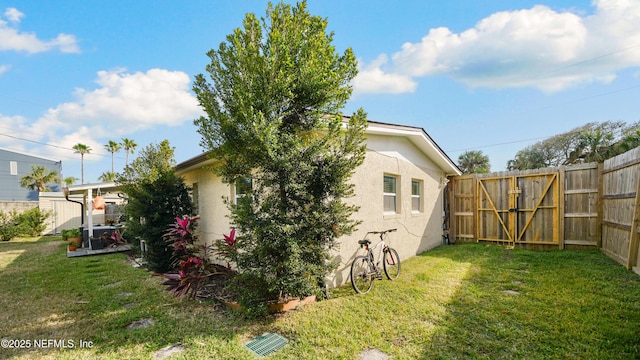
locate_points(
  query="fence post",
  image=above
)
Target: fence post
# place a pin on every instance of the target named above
(560, 201)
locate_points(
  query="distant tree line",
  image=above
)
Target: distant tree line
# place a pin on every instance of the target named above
(592, 142)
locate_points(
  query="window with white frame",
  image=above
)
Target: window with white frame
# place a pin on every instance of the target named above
(242, 187)
(416, 195)
(390, 193)
(13, 167)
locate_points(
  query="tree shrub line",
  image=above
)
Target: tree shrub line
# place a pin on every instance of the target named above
(27, 223)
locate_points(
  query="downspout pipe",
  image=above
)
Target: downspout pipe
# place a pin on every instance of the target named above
(65, 190)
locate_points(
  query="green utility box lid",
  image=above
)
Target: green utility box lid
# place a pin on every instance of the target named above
(266, 344)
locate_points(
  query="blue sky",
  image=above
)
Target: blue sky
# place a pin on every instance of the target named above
(483, 75)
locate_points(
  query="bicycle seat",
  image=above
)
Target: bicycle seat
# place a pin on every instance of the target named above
(364, 242)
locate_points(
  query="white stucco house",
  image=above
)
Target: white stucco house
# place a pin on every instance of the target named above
(400, 185)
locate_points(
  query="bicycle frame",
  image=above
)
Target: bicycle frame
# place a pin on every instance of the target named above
(371, 253)
(381, 244)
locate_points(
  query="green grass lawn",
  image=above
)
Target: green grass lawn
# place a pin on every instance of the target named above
(455, 302)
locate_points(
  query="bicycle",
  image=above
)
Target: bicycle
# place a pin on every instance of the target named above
(365, 269)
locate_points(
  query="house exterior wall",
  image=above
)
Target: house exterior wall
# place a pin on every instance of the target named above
(418, 231)
(209, 191)
(13, 166)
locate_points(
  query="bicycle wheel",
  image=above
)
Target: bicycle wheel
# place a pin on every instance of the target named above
(361, 275)
(391, 264)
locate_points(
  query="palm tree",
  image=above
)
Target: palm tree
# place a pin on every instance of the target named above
(108, 176)
(38, 179)
(129, 147)
(70, 180)
(112, 147)
(592, 146)
(81, 149)
(474, 162)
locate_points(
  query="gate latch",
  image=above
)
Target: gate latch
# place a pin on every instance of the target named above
(514, 210)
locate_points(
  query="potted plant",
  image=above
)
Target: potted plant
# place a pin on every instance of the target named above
(72, 236)
(72, 246)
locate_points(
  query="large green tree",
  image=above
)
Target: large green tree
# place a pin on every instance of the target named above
(474, 162)
(38, 178)
(155, 197)
(277, 85)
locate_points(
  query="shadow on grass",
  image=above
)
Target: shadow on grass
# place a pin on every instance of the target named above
(537, 305)
(95, 300)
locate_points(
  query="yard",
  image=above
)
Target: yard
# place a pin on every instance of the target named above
(462, 301)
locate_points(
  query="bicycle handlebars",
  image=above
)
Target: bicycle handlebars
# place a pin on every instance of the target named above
(366, 242)
(382, 232)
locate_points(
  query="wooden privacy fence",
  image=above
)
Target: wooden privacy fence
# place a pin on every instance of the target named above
(578, 206)
(621, 208)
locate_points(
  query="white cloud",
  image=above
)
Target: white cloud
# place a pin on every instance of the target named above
(12, 39)
(372, 79)
(128, 102)
(122, 104)
(4, 68)
(10, 127)
(537, 47)
(13, 15)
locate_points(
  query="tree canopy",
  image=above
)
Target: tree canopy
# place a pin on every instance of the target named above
(277, 87)
(82, 149)
(38, 179)
(592, 142)
(474, 162)
(155, 197)
(112, 147)
(129, 147)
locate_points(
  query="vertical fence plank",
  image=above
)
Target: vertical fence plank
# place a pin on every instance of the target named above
(600, 204)
(561, 202)
(633, 232)
(619, 198)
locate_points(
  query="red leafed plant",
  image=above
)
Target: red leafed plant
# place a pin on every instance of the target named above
(191, 266)
(191, 261)
(188, 279)
(227, 248)
(181, 237)
(113, 239)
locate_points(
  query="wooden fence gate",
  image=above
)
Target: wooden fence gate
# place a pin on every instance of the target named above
(543, 208)
(519, 209)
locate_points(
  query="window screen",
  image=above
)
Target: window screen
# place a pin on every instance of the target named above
(416, 195)
(390, 193)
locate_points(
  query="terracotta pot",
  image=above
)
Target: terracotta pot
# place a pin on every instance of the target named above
(72, 247)
(278, 307)
(76, 241)
(289, 305)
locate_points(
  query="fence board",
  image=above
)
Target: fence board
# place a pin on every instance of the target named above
(621, 208)
(464, 209)
(581, 205)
